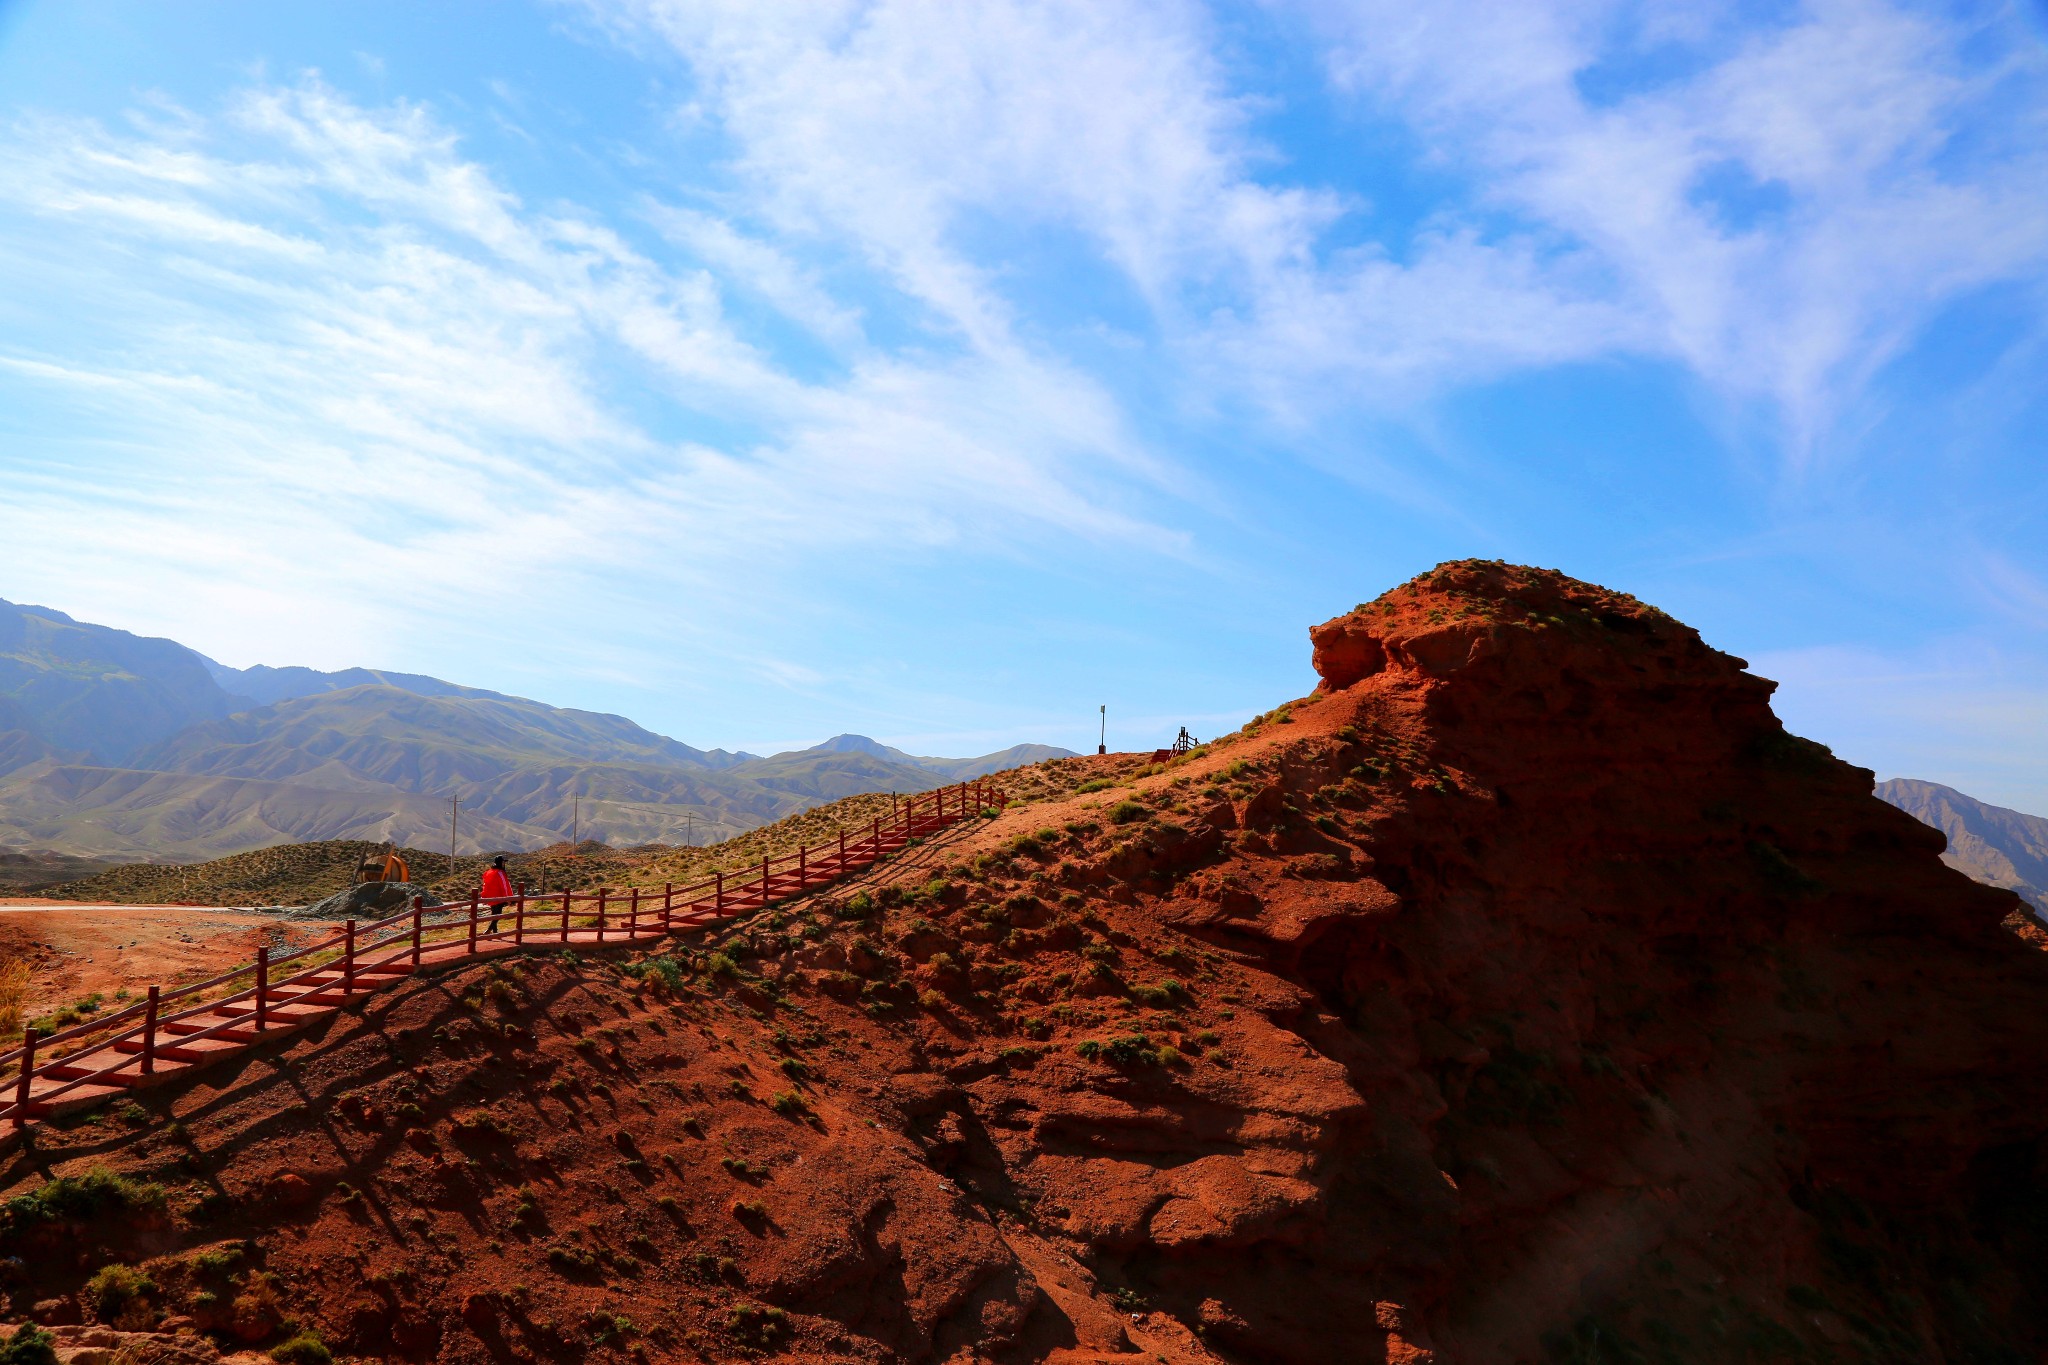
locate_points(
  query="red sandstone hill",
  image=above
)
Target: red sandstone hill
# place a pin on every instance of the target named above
(1526, 994)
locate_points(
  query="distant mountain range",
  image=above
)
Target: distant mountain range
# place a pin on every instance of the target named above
(113, 745)
(1996, 846)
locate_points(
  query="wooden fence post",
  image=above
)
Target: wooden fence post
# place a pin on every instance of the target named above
(602, 892)
(472, 923)
(28, 1071)
(668, 907)
(633, 914)
(565, 916)
(803, 875)
(262, 987)
(419, 919)
(764, 879)
(348, 958)
(720, 905)
(149, 1033)
(519, 917)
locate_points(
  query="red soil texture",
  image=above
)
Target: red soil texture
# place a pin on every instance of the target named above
(1525, 994)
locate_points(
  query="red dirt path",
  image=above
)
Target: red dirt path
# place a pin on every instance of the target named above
(77, 950)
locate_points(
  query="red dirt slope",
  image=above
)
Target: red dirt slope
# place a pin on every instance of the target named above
(1525, 994)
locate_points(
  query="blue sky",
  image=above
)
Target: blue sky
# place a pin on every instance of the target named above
(943, 371)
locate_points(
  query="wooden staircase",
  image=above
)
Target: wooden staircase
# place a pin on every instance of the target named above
(223, 1017)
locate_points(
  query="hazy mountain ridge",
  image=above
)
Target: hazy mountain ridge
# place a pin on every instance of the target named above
(266, 686)
(366, 754)
(96, 691)
(1991, 844)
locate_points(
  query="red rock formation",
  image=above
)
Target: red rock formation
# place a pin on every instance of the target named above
(1527, 993)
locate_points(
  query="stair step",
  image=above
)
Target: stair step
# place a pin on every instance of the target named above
(292, 1011)
(197, 1049)
(129, 1073)
(203, 1023)
(363, 970)
(165, 1052)
(84, 1094)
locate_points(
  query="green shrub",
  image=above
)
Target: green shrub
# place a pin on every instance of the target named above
(610, 1329)
(30, 1345)
(1124, 812)
(859, 906)
(756, 1325)
(109, 1292)
(572, 1262)
(80, 1199)
(1132, 1049)
(1165, 995)
(218, 1260)
(789, 1104)
(1100, 784)
(665, 971)
(304, 1349)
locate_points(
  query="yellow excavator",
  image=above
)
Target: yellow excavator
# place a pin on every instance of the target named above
(385, 865)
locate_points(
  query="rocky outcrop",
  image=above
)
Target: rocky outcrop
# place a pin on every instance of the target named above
(1526, 993)
(366, 901)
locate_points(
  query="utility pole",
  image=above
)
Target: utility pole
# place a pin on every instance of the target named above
(454, 803)
(689, 829)
(1102, 745)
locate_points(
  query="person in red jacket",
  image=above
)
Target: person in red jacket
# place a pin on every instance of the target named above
(497, 889)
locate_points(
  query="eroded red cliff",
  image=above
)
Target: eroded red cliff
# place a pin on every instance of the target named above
(1524, 994)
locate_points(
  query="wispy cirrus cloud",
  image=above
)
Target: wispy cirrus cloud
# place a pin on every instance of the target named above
(904, 129)
(418, 395)
(1780, 206)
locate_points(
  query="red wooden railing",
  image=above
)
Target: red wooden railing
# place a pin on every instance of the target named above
(159, 1036)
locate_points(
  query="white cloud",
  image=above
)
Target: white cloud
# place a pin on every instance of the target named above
(406, 385)
(760, 268)
(1785, 216)
(903, 128)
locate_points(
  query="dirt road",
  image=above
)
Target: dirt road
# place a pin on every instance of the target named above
(76, 950)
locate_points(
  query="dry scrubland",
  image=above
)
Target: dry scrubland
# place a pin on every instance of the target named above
(298, 874)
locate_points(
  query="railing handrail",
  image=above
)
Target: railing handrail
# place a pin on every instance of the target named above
(674, 909)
